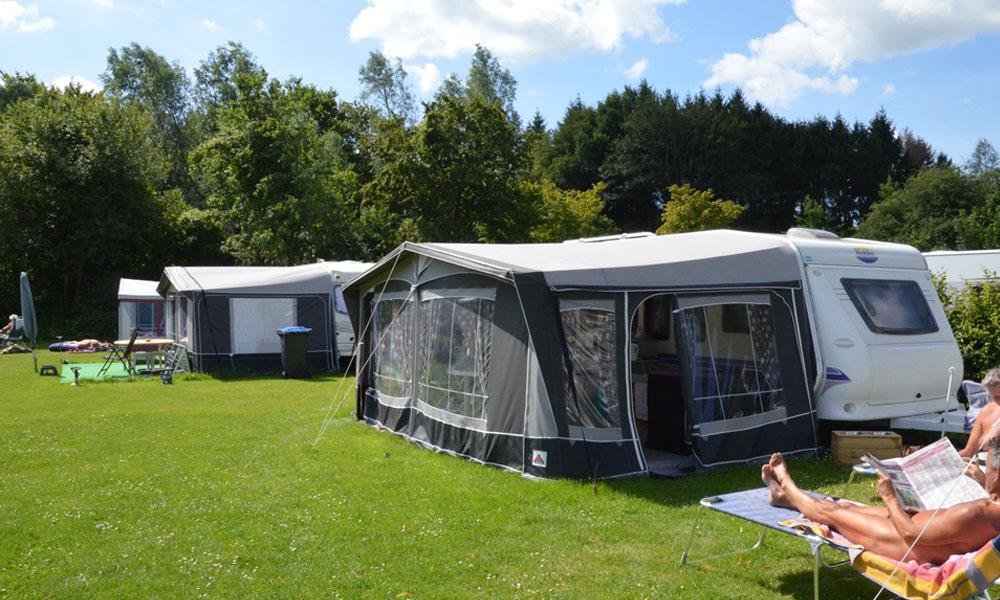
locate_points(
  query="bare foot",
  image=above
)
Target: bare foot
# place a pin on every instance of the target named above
(777, 496)
(779, 468)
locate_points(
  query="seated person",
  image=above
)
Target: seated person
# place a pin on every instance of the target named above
(890, 530)
(6, 329)
(983, 429)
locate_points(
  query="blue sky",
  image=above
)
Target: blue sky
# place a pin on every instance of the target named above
(933, 65)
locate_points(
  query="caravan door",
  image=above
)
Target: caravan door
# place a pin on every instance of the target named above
(743, 376)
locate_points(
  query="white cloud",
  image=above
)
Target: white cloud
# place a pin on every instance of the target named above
(210, 24)
(84, 84)
(428, 76)
(515, 29)
(259, 25)
(637, 69)
(888, 90)
(25, 18)
(105, 3)
(828, 36)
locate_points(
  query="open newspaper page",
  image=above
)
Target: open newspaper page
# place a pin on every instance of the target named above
(926, 479)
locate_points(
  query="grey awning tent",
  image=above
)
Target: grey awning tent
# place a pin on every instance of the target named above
(527, 356)
(227, 316)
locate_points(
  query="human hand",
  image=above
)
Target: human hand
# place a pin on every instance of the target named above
(884, 487)
(976, 473)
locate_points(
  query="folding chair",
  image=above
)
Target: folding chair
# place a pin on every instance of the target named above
(966, 576)
(176, 354)
(121, 354)
(16, 333)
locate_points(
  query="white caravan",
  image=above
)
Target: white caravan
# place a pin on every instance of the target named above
(965, 266)
(884, 345)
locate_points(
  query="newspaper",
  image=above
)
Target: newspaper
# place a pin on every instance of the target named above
(925, 480)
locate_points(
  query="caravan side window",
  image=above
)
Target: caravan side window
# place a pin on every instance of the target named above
(591, 378)
(891, 306)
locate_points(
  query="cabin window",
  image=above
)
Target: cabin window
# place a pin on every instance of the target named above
(590, 377)
(891, 306)
(456, 338)
(392, 334)
(148, 318)
(732, 354)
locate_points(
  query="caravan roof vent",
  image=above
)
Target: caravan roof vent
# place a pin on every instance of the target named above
(612, 238)
(815, 234)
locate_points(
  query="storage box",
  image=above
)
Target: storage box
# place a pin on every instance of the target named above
(848, 447)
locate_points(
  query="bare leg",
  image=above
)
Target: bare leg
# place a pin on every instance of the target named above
(867, 526)
(776, 494)
(779, 469)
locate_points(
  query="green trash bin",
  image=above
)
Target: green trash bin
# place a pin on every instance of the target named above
(294, 351)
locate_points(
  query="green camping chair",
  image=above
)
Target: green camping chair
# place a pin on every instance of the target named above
(122, 354)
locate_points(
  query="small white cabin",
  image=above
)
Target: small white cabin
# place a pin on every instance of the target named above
(960, 267)
(140, 306)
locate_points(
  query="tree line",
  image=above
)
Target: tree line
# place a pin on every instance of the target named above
(233, 166)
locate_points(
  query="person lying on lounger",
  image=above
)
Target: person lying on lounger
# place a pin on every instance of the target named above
(890, 530)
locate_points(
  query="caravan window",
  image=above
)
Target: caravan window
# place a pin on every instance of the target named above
(891, 306)
(590, 379)
(456, 339)
(148, 318)
(392, 334)
(732, 355)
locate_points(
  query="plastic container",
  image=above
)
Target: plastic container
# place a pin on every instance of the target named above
(294, 351)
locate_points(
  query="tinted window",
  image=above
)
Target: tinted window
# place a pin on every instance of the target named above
(890, 306)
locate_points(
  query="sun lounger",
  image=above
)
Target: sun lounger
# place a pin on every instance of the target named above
(961, 577)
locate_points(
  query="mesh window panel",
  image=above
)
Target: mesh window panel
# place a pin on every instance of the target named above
(591, 390)
(255, 321)
(456, 340)
(392, 332)
(734, 367)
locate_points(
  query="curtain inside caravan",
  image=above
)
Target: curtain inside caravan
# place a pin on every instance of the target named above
(733, 372)
(591, 375)
(454, 349)
(392, 339)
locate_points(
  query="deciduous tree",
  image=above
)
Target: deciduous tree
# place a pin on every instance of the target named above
(693, 210)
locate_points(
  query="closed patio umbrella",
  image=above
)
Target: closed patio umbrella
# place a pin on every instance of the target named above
(28, 314)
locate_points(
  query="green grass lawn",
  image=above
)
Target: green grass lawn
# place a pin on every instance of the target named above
(212, 488)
